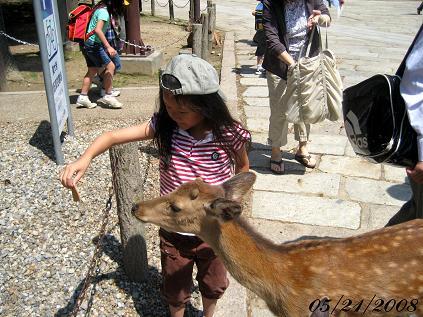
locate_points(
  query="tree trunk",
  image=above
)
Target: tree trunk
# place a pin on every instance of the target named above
(127, 177)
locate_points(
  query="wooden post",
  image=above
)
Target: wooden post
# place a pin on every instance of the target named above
(171, 14)
(205, 36)
(126, 172)
(197, 32)
(212, 23)
(153, 7)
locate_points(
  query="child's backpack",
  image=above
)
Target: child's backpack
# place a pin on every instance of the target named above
(259, 16)
(78, 22)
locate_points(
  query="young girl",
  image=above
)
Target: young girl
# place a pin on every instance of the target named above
(98, 53)
(196, 137)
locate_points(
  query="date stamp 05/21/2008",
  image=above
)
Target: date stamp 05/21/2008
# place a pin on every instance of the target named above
(362, 306)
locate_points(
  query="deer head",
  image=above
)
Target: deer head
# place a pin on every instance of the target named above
(196, 205)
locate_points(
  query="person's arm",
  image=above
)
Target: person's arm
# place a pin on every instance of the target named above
(99, 31)
(72, 172)
(242, 164)
(411, 88)
(271, 29)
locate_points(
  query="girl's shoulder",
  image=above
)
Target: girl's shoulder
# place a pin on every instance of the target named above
(101, 12)
(236, 135)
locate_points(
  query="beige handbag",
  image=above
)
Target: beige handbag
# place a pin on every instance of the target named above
(314, 87)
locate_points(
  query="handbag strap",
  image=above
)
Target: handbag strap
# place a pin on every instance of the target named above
(320, 39)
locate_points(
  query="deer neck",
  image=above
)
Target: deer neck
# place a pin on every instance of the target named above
(251, 260)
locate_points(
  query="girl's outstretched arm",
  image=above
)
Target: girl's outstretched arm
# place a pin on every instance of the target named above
(242, 164)
(72, 173)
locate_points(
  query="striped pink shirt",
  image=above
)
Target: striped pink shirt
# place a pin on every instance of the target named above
(204, 158)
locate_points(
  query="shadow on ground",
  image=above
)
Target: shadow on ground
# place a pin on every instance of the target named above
(42, 139)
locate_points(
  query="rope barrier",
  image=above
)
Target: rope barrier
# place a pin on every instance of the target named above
(181, 7)
(160, 5)
(17, 40)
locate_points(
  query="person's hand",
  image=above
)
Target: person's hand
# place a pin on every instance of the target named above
(71, 173)
(313, 19)
(416, 173)
(111, 51)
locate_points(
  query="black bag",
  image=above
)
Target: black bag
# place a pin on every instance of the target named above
(376, 119)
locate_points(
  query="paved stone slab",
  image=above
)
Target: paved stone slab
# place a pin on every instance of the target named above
(261, 312)
(258, 124)
(378, 215)
(377, 192)
(306, 210)
(247, 61)
(256, 92)
(349, 150)
(327, 144)
(309, 183)
(234, 301)
(257, 81)
(395, 174)
(248, 73)
(257, 112)
(257, 102)
(260, 142)
(350, 166)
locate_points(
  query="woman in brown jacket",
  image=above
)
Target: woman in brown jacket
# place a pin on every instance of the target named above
(287, 25)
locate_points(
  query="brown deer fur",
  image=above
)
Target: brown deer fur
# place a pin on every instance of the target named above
(385, 263)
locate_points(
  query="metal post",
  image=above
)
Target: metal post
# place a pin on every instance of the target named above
(171, 14)
(197, 5)
(153, 7)
(38, 11)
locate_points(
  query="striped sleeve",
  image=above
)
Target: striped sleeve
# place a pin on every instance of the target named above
(237, 137)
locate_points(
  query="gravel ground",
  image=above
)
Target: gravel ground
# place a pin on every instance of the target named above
(47, 240)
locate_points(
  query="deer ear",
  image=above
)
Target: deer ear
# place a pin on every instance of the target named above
(236, 187)
(194, 193)
(225, 209)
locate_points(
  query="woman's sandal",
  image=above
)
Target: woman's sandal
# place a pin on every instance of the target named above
(304, 160)
(280, 164)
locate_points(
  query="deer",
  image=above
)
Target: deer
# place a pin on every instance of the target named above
(378, 272)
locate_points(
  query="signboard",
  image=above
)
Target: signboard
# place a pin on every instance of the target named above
(55, 81)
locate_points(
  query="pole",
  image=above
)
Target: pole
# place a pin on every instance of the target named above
(196, 38)
(153, 7)
(171, 13)
(197, 17)
(126, 174)
(205, 37)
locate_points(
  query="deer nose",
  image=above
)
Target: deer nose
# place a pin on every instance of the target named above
(134, 208)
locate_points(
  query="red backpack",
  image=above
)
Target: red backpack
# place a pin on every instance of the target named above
(78, 22)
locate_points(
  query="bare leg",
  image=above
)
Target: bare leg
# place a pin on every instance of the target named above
(176, 311)
(209, 306)
(86, 82)
(108, 77)
(306, 158)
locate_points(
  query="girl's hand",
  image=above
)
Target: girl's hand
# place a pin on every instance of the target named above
(72, 172)
(313, 19)
(111, 51)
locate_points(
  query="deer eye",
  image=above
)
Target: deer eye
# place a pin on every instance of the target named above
(175, 208)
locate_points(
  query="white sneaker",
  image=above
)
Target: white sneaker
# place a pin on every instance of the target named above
(85, 102)
(260, 70)
(115, 92)
(111, 102)
(97, 81)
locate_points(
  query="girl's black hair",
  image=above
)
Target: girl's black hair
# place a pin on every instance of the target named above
(115, 7)
(217, 118)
